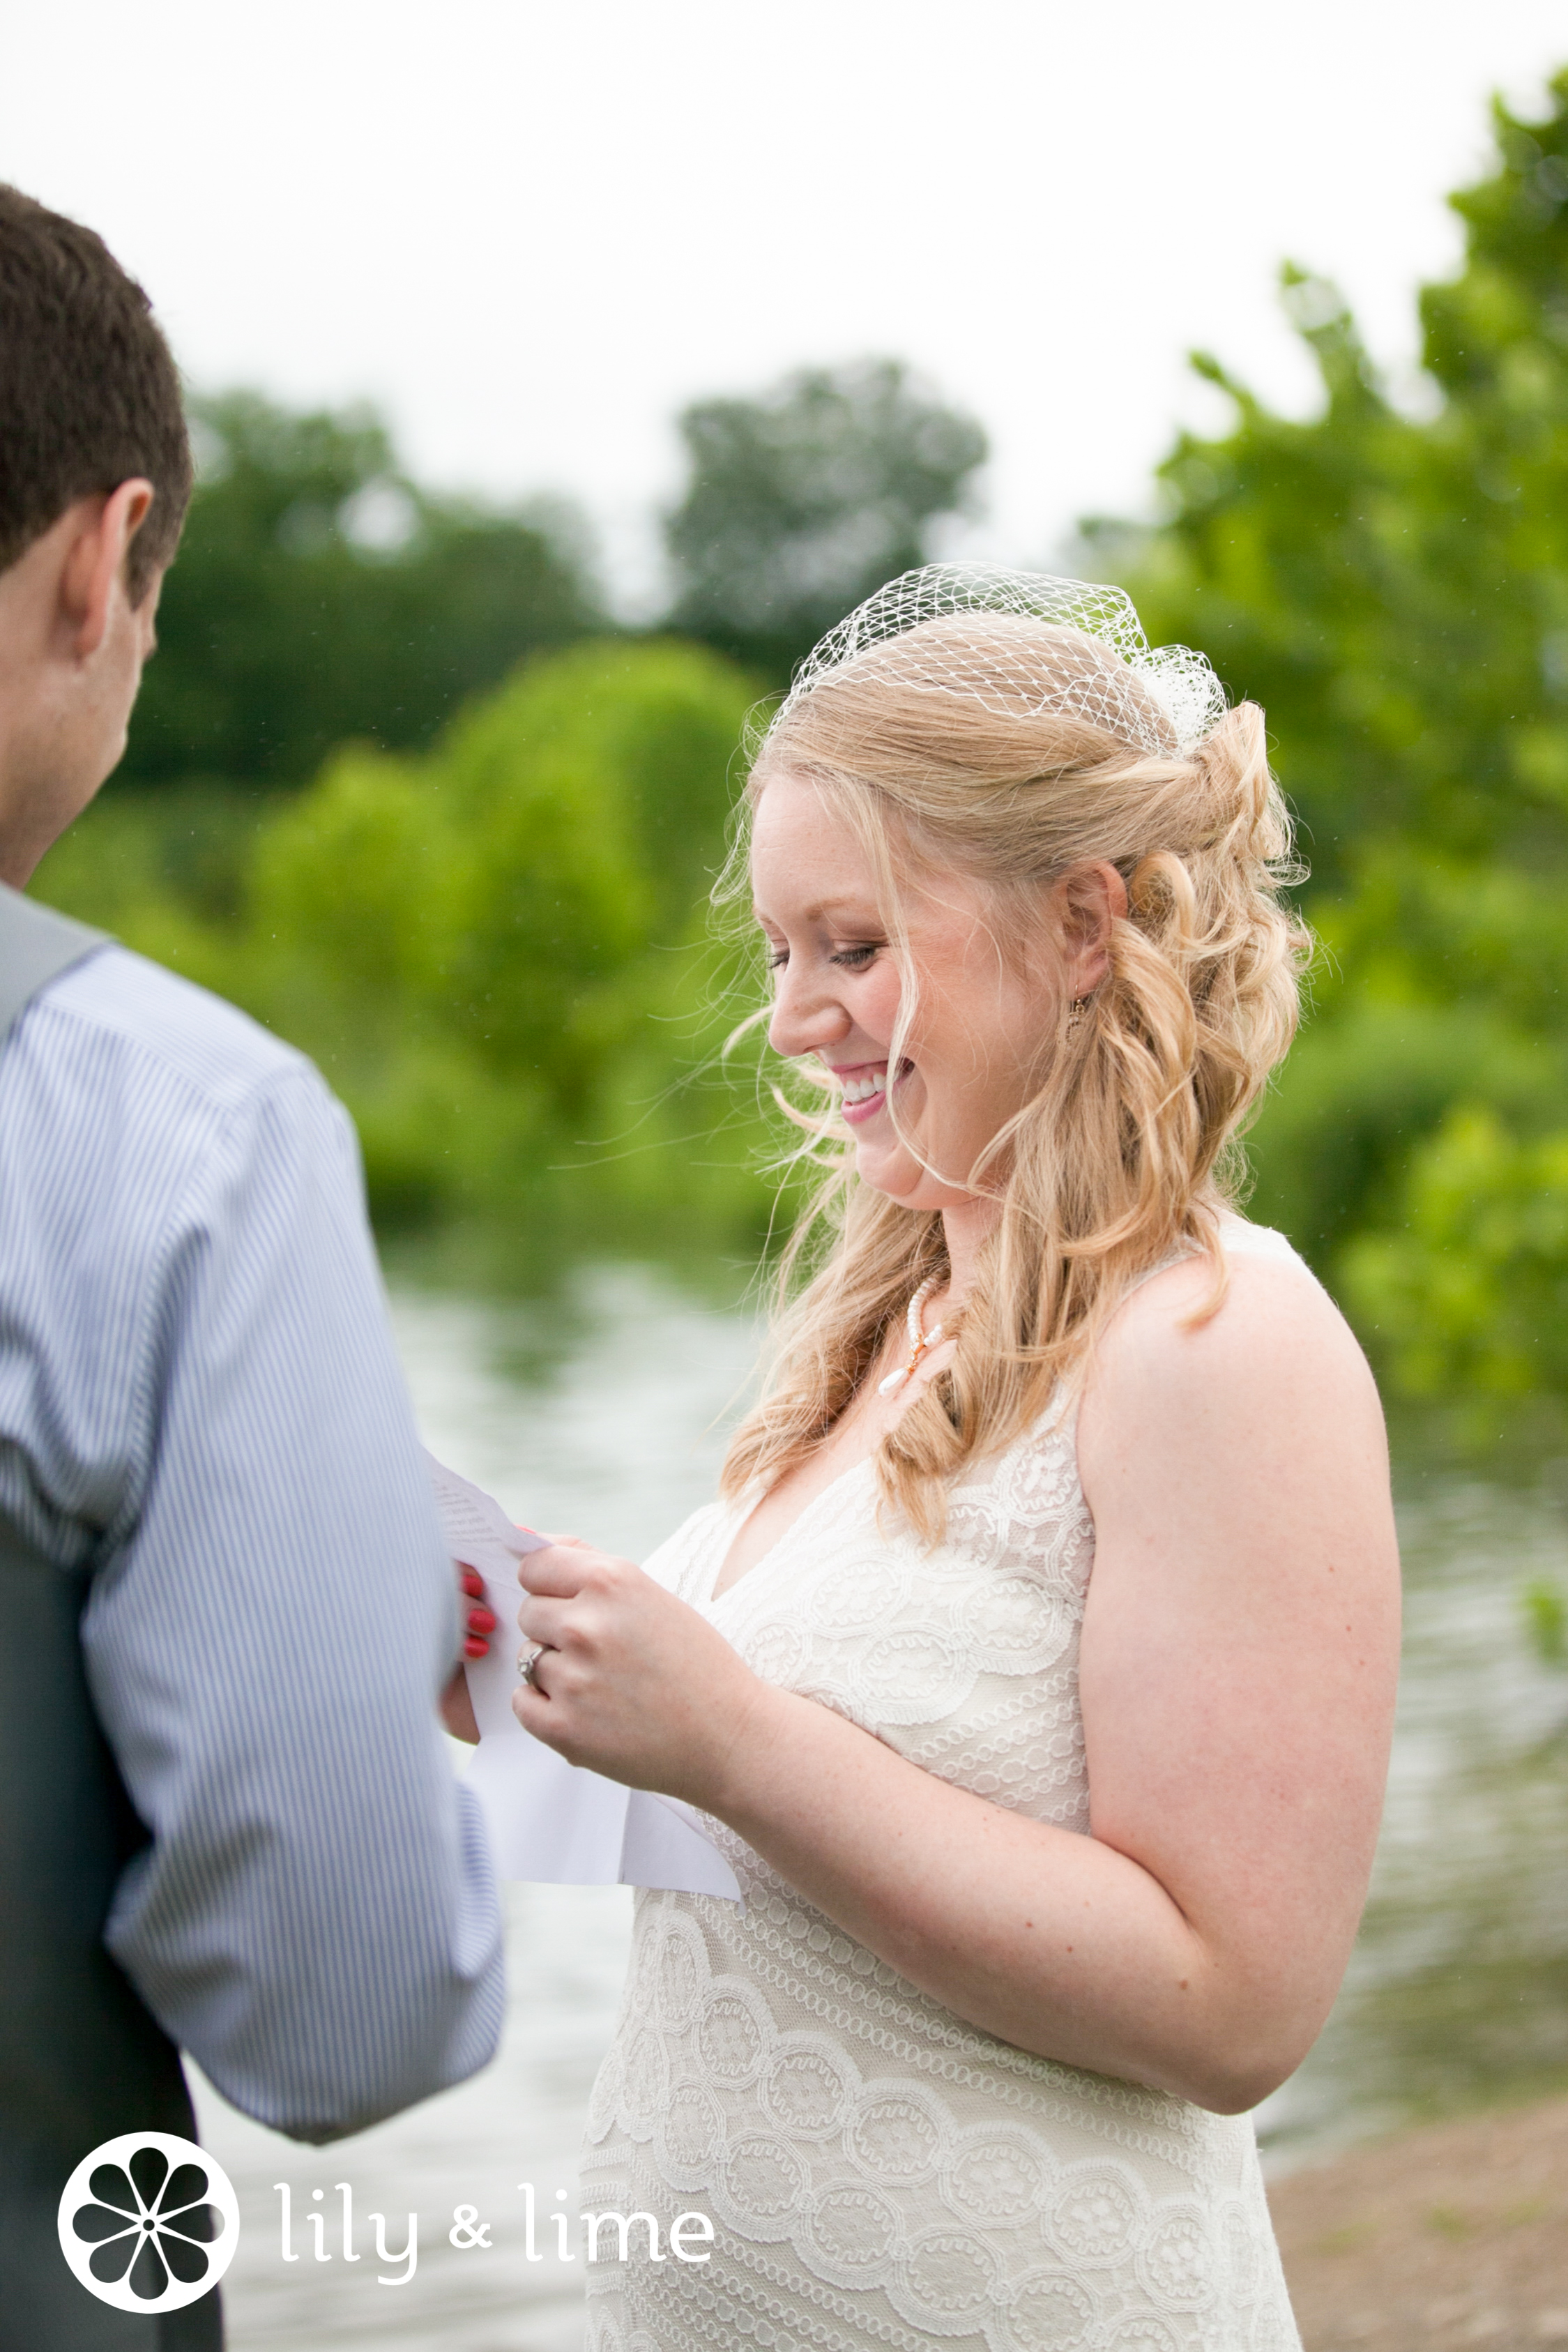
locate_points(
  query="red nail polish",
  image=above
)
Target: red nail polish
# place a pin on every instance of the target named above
(480, 1621)
(473, 1584)
(474, 1648)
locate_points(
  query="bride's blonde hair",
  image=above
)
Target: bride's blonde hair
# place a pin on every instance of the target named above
(1126, 1151)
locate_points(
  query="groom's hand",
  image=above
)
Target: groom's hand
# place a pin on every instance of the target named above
(478, 1624)
(628, 1680)
(457, 1710)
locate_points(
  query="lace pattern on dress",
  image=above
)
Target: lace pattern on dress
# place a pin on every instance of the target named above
(879, 2172)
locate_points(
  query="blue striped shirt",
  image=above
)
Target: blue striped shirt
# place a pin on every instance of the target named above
(199, 1398)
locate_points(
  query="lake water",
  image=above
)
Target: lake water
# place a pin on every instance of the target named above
(598, 1412)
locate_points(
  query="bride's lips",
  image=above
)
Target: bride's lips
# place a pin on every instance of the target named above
(872, 1077)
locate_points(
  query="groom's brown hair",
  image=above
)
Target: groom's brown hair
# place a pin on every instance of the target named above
(90, 394)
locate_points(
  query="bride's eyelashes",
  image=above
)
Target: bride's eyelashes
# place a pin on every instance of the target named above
(855, 959)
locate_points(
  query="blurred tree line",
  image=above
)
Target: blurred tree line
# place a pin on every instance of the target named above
(397, 785)
(320, 597)
(803, 503)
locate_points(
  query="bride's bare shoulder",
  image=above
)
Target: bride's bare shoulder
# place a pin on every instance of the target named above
(1275, 1353)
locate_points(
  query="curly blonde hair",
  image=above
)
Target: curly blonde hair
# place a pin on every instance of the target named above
(1127, 1151)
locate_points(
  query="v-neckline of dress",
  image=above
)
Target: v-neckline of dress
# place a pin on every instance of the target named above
(734, 1526)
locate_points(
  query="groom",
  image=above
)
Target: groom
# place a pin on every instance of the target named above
(228, 1820)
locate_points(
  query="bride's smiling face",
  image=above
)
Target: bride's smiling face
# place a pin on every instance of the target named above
(971, 1057)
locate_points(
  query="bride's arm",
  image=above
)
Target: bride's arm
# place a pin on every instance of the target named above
(1237, 1669)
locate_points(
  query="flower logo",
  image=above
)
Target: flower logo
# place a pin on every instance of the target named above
(149, 2222)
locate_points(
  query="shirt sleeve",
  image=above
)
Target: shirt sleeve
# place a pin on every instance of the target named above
(315, 1916)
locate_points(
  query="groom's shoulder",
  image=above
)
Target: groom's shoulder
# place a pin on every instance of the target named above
(118, 1012)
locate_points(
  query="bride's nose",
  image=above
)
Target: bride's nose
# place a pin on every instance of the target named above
(807, 1016)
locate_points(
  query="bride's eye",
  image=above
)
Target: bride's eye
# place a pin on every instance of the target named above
(857, 958)
(777, 959)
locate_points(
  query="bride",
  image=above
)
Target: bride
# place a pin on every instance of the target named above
(1035, 1669)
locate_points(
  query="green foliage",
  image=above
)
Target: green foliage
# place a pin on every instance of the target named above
(1393, 587)
(477, 945)
(319, 596)
(497, 951)
(1396, 589)
(805, 501)
(1470, 1292)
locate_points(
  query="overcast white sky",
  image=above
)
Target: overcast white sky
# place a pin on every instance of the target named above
(532, 232)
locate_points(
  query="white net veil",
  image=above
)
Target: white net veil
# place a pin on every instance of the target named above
(975, 632)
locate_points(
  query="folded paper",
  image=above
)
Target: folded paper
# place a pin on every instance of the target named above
(549, 1820)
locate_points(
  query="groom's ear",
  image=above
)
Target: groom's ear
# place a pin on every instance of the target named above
(98, 555)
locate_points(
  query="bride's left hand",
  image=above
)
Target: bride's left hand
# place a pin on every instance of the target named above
(630, 1681)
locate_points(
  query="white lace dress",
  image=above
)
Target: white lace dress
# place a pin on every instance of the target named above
(879, 2173)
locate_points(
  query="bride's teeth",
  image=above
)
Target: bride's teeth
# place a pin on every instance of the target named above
(861, 1089)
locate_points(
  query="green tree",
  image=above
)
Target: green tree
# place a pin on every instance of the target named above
(1392, 584)
(492, 949)
(320, 595)
(804, 502)
(1395, 587)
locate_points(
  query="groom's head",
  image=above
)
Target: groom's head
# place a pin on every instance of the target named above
(95, 475)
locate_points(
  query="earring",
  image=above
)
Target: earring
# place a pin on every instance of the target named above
(1075, 1013)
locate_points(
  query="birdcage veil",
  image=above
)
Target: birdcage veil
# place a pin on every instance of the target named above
(924, 630)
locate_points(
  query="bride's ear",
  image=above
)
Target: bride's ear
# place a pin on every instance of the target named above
(1087, 901)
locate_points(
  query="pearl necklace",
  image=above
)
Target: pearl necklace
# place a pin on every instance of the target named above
(920, 1342)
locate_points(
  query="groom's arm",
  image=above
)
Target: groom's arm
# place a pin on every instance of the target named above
(315, 1919)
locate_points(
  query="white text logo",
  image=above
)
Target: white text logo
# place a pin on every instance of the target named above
(149, 2223)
